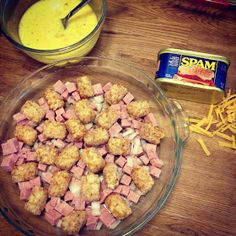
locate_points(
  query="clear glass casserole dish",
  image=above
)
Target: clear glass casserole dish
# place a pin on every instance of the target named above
(169, 114)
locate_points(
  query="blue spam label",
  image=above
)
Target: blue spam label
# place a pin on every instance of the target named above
(192, 69)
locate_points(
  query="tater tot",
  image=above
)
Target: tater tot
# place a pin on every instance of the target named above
(37, 200)
(72, 223)
(33, 111)
(24, 172)
(67, 158)
(115, 94)
(26, 134)
(85, 87)
(95, 137)
(118, 207)
(84, 111)
(111, 175)
(46, 154)
(90, 187)
(107, 117)
(118, 146)
(139, 109)
(54, 129)
(93, 159)
(142, 179)
(75, 129)
(59, 183)
(54, 100)
(151, 133)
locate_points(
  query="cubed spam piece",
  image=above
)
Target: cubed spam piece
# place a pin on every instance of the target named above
(37, 200)
(107, 86)
(92, 158)
(133, 196)
(155, 172)
(109, 158)
(96, 137)
(70, 86)
(106, 217)
(33, 111)
(64, 208)
(150, 118)
(139, 108)
(97, 89)
(128, 98)
(68, 157)
(8, 162)
(54, 129)
(10, 147)
(69, 114)
(50, 115)
(111, 175)
(84, 86)
(115, 129)
(79, 203)
(76, 129)
(46, 154)
(59, 183)
(69, 196)
(77, 171)
(52, 217)
(150, 133)
(19, 117)
(151, 151)
(126, 179)
(26, 134)
(59, 87)
(118, 207)
(118, 146)
(54, 100)
(84, 111)
(115, 94)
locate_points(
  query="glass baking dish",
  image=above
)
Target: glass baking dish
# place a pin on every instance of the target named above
(169, 114)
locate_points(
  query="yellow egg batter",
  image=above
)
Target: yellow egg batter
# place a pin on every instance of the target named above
(41, 28)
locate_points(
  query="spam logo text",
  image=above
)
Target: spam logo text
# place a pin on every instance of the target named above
(188, 61)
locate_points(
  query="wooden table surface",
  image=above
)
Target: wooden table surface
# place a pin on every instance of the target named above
(203, 201)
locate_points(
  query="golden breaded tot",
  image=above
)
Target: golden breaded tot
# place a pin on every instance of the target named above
(118, 146)
(37, 200)
(90, 187)
(59, 183)
(75, 129)
(115, 94)
(72, 223)
(118, 207)
(33, 111)
(24, 172)
(85, 87)
(107, 117)
(46, 154)
(93, 159)
(26, 134)
(54, 100)
(84, 111)
(54, 129)
(151, 133)
(142, 179)
(68, 157)
(139, 108)
(96, 137)
(111, 175)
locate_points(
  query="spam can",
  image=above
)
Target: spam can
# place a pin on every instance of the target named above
(193, 76)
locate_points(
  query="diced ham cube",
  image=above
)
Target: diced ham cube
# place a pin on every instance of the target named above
(49, 207)
(128, 98)
(52, 169)
(125, 190)
(64, 208)
(127, 169)
(40, 128)
(97, 89)
(24, 185)
(117, 107)
(79, 203)
(126, 179)
(77, 171)
(50, 115)
(71, 100)
(150, 118)
(79, 144)
(124, 114)
(155, 172)
(120, 161)
(52, 217)
(157, 162)
(109, 158)
(103, 185)
(105, 193)
(65, 95)
(70, 86)
(115, 129)
(10, 147)
(107, 87)
(42, 167)
(59, 87)
(68, 196)
(45, 107)
(91, 223)
(60, 111)
(42, 138)
(35, 182)
(24, 194)
(31, 156)
(106, 217)
(8, 162)
(81, 164)
(20, 161)
(41, 101)
(150, 150)
(144, 159)
(76, 96)
(47, 176)
(133, 196)
(54, 201)
(58, 143)
(60, 118)
(69, 114)
(136, 124)
(18, 117)
(102, 150)
(118, 189)
(125, 123)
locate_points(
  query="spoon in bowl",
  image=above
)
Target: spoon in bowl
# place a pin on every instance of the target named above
(73, 11)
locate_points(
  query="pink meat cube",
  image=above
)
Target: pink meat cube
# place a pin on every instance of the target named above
(105, 194)
(79, 144)
(69, 114)
(68, 196)
(45, 107)
(54, 201)
(76, 96)
(133, 196)
(42, 138)
(81, 164)
(40, 127)
(144, 159)
(125, 123)
(52, 217)
(127, 169)
(20, 161)
(24, 185)
(70, 86)
(150, 118)
(24, 194)
(103, 185)
(47, 176)
(52, 169)
(115, 129)
(91, 223)
(65, 95)
(126, 179)
(64, 208)
(109, 158)
(9, 147)
(106, 217)
(120, 161)
(60, 111)
(128, 98)
(155, 172)
(117, 107)
(157, 162)
(118, 189)
(77, 171)
(50, 115)
(107, 87)
(42, 167)
(97, 89)
(60, 118)
(102, 150)
(79, 203)
(136, 124)
(71, 100)
(31, 156)
(48, 207)
(125, 190)
(35, 182)
(59, 87)
(59, 143)
(18, 117)
(41, 101)
(124, 114)
(8, 162)
(151, 150)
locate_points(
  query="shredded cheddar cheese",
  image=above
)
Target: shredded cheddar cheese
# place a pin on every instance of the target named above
(204, 147)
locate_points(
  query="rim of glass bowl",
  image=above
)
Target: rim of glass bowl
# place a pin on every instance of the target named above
(59, 50)
(168, 108)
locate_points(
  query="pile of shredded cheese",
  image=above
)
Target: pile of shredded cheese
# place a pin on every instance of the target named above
(220, 122)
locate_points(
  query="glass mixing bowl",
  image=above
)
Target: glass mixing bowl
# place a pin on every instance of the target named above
(11, 12)
(169, 114)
